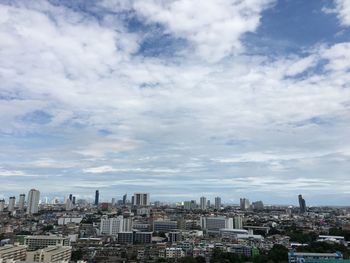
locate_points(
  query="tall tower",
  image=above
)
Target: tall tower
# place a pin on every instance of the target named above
(21, 201)
(203, 203)
(124, 199)
(97, 197)
(12, 202)
(217, 202)
(302, 204)
(33, 201)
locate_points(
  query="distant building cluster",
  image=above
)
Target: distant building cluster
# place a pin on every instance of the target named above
(141, 230)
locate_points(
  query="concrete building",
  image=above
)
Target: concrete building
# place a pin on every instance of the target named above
(190, 205)
(217, 202)
(97, 197)
(174, 236)
(142, 237)
(126, 237)
(203, 203)
(141, 199)
(174, 252)
(164, 225)
(13, 252)
(212, 224)
(12, 203)
(21, 201)
(38, 242)
(68, 220)
(244, 203)
(232, 233)
(238, 222)
(316, 257)
(114, 225)
(33, 201)
(302, 204)
(258, 205)
(51, 254)
(2, 205)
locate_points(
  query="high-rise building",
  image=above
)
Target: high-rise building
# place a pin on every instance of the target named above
(124, 199)
(74, 200)
(141, 199)
(113, 201)
(112, 226)
(69, 204)
(302, 204)
(244, 204)
(238, 222)
(12, 202)
(71, 197)
(217, 202)
(190, 205)
(258, 205)
(203, 203)
(33, 201)
(21, 201)
(97, 197)
(2, 205)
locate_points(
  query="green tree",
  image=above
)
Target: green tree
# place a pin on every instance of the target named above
(278, 254)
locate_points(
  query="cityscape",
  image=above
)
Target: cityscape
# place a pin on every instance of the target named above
(175, 131)
(137, 229)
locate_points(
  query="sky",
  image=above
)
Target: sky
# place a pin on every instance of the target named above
(178, 98)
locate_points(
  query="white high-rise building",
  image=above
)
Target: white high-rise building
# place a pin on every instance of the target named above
(69, 204)
(141, 199)
(2, 205)
(113, 226)
(238, 220)
(21, 201)
(12, 202)
(33, 201)
(217, 202)
(203, 203)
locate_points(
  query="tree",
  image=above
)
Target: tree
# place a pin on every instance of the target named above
(77, 255)
(278, 254)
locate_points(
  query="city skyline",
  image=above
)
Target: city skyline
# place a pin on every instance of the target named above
(249, 100)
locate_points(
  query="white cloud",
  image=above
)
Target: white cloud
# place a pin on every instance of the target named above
(214, 27)
(343, 10)
(301, 65)
(166, 117)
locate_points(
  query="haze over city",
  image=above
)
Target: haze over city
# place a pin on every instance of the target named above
(179, 99)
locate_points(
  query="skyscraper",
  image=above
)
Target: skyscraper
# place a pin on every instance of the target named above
(71, 197)
(97, 197)
(244, 203)
(203, 203)
(33, 201)
(141, 199)
(21, 201)
(302, 204)
(124, 199)
(12, 202)
(217, 202)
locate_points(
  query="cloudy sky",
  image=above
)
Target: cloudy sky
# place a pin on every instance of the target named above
(179, 98)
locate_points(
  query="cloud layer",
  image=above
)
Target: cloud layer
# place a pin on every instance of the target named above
(165, 97)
